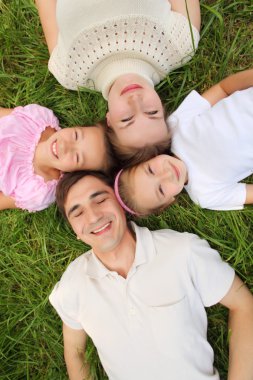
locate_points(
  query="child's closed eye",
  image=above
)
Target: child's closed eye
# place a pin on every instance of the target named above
(150, 170)
(161, 190)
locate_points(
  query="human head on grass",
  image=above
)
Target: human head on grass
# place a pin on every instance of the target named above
(136, 115)
(151, 186)
(88, 202)
(80, 148)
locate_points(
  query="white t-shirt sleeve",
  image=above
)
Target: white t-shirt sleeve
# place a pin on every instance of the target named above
(64, 298)
(211, 276)
(230, 197)
(194, 104)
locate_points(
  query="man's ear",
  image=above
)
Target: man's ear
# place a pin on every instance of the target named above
(108, 119)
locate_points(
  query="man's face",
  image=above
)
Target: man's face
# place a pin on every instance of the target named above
(95, 214)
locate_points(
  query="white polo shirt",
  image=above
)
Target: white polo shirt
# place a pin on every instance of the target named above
(151, 325)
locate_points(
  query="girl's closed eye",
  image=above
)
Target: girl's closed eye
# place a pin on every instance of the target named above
(161, 190)
(150, 170)
(77, 158)
(76, 135)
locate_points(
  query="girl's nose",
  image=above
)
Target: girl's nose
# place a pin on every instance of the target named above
(166, 172)
(68, 146)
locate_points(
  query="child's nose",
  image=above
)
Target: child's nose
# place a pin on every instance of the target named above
(166, 174)
(69, 146)
(166, 169)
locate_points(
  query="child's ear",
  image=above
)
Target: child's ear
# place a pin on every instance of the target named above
(108, 119)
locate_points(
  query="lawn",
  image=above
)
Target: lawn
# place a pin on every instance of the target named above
(36, 248)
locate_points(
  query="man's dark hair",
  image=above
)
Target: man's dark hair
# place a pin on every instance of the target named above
(70, 179)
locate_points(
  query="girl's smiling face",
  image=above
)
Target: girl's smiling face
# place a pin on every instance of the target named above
(163, 178)
(76, 148)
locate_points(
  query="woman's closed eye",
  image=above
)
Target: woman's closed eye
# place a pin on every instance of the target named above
(127, 119)
(152, 112)
(76, 135)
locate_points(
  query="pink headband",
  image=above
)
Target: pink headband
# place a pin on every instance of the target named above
(116, 190)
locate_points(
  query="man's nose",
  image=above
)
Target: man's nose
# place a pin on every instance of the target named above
(93, 214)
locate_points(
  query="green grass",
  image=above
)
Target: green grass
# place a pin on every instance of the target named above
(36, 248)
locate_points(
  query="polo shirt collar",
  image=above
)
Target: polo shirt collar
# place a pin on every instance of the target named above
(144, 249)
(95, 269)
(144, 244)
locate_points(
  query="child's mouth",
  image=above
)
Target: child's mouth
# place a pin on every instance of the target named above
(176, 171)
(54, 149)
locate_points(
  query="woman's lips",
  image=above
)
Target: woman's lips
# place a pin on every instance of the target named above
(131, 87)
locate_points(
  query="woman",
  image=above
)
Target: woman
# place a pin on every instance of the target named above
(123, 49)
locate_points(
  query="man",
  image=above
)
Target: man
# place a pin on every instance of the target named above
(140, 295)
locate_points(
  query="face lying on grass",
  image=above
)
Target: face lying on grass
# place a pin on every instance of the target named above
(154, 184)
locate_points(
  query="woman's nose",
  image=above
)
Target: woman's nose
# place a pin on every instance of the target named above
(135, 99)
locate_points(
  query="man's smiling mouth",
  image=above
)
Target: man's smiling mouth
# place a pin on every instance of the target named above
(102, 229)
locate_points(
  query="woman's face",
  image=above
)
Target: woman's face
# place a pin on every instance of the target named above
(135, 112)
(163, 178)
